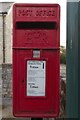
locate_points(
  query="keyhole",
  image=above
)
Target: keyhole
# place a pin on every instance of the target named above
(22, 81)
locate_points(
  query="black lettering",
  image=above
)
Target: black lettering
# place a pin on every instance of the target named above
(34, 86)
(43, 65)
(33, 66)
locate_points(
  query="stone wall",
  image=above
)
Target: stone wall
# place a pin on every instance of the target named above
(0, 85)
(6, 83)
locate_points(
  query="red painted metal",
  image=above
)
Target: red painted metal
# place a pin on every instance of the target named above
(36, 27)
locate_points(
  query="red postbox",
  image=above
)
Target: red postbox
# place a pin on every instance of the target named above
(36, 60)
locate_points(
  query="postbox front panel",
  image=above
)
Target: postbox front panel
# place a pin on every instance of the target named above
(36, 62)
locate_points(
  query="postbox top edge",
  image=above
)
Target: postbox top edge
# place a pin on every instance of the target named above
(35, 5)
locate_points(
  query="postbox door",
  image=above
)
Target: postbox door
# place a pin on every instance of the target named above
(35, 102)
